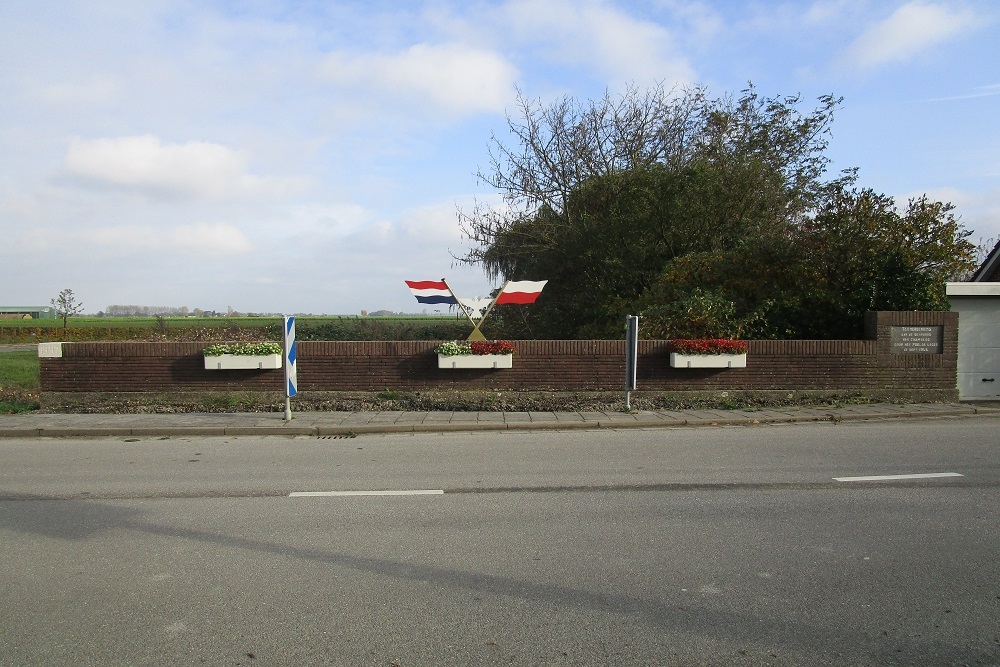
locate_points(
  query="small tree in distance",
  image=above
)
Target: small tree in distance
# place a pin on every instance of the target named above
(66, 305)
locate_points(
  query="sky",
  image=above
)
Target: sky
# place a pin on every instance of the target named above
(309, 156)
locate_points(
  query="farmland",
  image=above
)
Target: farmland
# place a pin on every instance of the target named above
(232, 328)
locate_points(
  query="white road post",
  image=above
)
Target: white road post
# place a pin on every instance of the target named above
(291, 378)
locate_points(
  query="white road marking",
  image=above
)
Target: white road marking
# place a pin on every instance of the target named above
(328, 494)
(882, 478)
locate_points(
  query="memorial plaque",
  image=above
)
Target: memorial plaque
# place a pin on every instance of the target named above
(915, 340)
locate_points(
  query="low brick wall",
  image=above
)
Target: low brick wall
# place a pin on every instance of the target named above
(589, 365)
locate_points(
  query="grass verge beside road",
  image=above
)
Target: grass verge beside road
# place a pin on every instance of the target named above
(18, 381)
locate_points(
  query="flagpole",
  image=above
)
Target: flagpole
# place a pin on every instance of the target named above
(476, 333)
(458, 302)
(493, 303)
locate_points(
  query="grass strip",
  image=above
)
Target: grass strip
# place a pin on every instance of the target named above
(19, 370)
(19, 382)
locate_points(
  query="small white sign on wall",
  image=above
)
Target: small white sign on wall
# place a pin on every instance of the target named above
(49, 350)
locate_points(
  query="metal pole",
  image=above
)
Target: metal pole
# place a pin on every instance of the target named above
(631, 356)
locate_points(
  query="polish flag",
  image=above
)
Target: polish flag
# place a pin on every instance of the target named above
(431, 291)
(520, 291)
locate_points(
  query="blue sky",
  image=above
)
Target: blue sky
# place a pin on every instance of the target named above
(310, 156)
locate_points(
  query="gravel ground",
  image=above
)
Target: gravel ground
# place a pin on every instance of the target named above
(462, 401)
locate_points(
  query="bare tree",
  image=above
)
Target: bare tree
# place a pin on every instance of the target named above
(551, 150)
(66, 305)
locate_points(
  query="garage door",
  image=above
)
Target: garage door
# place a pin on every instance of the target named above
(978, 348)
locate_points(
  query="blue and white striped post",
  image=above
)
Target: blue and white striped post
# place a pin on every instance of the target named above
(290, 376)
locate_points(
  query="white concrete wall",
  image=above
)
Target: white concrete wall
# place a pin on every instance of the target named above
(978, 308)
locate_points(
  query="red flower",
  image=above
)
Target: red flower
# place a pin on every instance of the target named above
(492, 347)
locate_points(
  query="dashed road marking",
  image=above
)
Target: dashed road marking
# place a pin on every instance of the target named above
(885, 478)
(336, 494)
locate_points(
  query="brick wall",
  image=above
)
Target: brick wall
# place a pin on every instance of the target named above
(560, 365)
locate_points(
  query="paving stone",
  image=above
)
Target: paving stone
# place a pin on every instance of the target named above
(390, 421)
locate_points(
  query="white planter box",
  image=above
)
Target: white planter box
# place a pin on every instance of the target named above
(678, 360)
(476, 361)
(243, 362)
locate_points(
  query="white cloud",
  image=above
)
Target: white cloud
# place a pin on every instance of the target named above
(19, 205)
(823, 12)
(435, 224)
(980, 91)
(143, 163)
(455, 78)
(603, 37)
(431, 228)
(635, 49)
(911, 29)
(215, 239)
(136, 242)
(318, 222)
(695, 20)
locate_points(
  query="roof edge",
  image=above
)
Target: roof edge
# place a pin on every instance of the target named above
(989, 268)
(973, 289)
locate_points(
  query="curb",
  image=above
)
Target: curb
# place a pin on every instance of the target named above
(472, 426)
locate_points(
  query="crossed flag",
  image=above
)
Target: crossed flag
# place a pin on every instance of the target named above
(513, 291)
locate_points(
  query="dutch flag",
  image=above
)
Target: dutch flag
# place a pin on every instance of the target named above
(431, 291)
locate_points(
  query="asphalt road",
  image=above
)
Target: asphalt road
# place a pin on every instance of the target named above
(729, 546)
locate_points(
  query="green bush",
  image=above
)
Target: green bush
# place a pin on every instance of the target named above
(382, 329)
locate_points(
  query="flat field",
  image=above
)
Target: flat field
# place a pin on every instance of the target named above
(214, 322)
(234, 328)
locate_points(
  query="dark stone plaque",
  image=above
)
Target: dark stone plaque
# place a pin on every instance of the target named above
(915, 340)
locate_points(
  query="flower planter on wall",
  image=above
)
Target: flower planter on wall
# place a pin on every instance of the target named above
(242, 362)
(476, 361)
(678, 360)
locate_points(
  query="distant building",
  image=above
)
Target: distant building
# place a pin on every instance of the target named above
(989, 270)
(34, 312)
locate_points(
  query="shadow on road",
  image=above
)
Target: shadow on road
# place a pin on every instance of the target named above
(88, 520)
